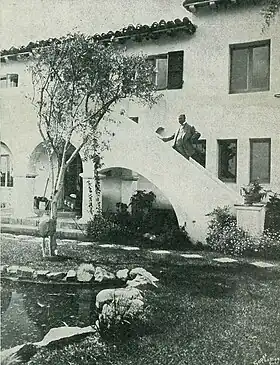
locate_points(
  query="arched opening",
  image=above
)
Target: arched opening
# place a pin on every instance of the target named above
(6, 178)
(71, 197)
(118, 186)
(6, 166)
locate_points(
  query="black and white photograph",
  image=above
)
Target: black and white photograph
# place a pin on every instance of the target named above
(140, 182)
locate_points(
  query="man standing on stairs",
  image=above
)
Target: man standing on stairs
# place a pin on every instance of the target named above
(184, 138)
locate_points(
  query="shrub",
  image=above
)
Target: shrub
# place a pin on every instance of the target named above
(105, 228)
(253, 193)
(272, 215)
(225, 236)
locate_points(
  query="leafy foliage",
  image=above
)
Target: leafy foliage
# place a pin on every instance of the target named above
(272, 215)
(225, 236)
(76, 81)
(253, 193)
(270, 11)
(148, 226)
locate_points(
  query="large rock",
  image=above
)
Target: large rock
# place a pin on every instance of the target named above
(56, 336)
(85, 272)
(26, 272)
(119, 305)
(101, 274)
(122, 274)
(141, 276)
(71, 275)
(62, 335)
(110, 295)
(42, 274)
(56, 275)
(139, 280)
(18, 354)
(3, 269)
(13, 270)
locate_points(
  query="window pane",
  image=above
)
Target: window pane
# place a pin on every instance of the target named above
(161, 73)
(175, 69)
(260, 160)
(227, 160)
(200, 152)
(239, 69)
(260, 67)
(13, 80)
(3, 82)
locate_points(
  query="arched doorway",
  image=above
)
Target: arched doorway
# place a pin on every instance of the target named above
(6, 176)
(118, 186)
(71, 197)
(73, 186)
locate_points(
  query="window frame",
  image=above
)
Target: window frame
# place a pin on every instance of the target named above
(8, 183)
(249, 46)
(201, 142)
(252, 140)
(220, 177)
(166, 56)
(8, 79)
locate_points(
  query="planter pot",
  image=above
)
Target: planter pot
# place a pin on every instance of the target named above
(251, 218)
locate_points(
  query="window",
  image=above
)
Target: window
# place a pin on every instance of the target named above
(200, 152)
(9, 80)
(135, 119)
(249, 68)
(260, 150)
(227, 160)
(168, 72)
(6, 171)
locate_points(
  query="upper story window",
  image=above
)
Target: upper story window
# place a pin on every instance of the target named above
(168, 72)
(260, 151)
(249, 67)
(9, 80)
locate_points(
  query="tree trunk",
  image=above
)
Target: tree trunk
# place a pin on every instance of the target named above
(52, 226)
(53, 213)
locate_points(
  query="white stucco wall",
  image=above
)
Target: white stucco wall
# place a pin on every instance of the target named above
(204, 98)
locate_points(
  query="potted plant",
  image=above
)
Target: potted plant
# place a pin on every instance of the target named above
(253, 193)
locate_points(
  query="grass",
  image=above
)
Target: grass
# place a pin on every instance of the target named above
(201, 313)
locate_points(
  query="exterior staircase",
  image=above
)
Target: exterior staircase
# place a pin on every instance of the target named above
(192, 190)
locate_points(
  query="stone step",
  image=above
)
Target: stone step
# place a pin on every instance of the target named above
(75, 234)
(66, 223)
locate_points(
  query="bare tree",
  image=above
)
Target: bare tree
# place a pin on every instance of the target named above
(76, 81)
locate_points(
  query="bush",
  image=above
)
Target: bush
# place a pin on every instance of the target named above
(224, 236)
(272, 215)
(105, 228)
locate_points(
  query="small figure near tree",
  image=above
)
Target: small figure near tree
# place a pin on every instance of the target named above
(76, 81)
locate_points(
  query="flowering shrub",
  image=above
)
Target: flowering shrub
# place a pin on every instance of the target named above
(272, 215)
(225, 236)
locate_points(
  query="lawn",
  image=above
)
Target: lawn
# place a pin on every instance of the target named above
(201, 313)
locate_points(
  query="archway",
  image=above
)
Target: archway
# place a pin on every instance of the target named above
(118, 186)
(71, 197)
(6, 178)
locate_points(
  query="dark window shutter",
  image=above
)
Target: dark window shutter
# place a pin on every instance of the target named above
(175, 69)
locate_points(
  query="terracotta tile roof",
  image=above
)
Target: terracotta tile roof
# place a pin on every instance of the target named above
(136, 33)
(194, 5)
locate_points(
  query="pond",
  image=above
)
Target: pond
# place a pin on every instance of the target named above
(28, 312)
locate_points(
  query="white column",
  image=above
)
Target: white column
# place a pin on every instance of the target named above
(88, 200)
(89, 204)
(23, 196)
